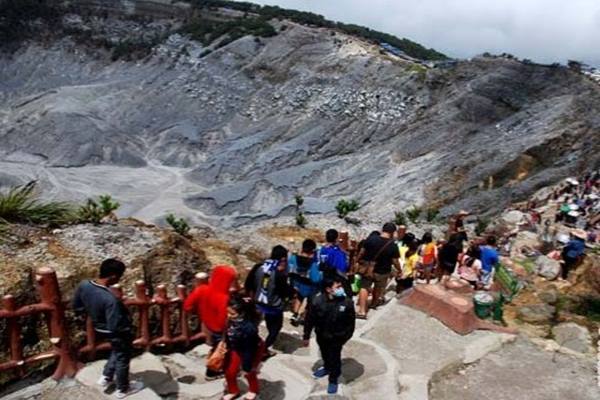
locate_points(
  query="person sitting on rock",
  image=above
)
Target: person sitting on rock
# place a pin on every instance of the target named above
(470, 266)
(489, 260)
(305, 277)
(331, 314)
(573, 251)
(111, 321)
(245, 348)
(210, 303)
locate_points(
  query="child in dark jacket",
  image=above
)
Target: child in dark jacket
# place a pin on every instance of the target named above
(244, 345)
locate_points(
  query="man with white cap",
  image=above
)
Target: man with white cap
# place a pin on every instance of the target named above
(572, 252)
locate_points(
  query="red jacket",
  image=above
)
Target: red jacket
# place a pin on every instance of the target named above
(210, 301)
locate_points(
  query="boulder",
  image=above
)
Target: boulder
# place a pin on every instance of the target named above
(547, 267)
(574, 337)
(513, 217)
(537, 314)
(524, 243)
(549, 296)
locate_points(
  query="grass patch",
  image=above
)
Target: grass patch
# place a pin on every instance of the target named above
(21, 204)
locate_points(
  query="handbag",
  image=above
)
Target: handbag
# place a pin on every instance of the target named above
(216, 360)
(366, 268)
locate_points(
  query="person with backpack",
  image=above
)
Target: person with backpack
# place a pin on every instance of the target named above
(209, 302)
(272, 290)
(305, 276)
(331, 314)
(378, 254)
(332, 257)
(111, 321)
(244, 347)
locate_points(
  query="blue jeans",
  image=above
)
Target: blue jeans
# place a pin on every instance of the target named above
(117, 365)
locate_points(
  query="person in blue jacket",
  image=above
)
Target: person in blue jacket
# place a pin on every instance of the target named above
(572, 252)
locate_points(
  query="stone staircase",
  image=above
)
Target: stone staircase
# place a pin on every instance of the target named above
(392, 355)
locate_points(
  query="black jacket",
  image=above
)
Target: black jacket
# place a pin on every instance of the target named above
(109, 315)
(331, 318)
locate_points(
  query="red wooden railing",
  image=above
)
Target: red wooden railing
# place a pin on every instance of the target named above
(52, 307)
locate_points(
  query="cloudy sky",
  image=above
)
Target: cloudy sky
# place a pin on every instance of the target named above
(542, 30)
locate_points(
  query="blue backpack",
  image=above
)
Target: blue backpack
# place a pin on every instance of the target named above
(332, 257)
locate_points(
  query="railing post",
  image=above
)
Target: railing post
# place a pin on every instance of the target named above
(162, 300)
(14, 332)
(183, 319)
(50, 295)
(144, 304)
(343, 240)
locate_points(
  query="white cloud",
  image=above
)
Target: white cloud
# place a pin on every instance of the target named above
(542, 30)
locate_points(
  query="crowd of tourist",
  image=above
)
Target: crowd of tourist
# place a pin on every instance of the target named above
(321, 286)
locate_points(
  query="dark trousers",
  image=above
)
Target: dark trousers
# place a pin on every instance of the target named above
(568, 265)
(331, 352)
(117, 365)
(274, 324)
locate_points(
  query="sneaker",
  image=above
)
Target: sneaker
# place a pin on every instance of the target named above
(332, 388)
(104, 381)
(134, 387)
(320, 373)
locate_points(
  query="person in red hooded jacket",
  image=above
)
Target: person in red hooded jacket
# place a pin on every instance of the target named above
(210, 303)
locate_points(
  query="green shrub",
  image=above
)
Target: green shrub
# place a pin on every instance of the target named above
(399, 218)
(413, 213)
(344, 207)
(94, 211)
(21, 205)
(431, 214)
(206, 31)
(179, 225)
(301, 220)
(482, 224)
(299, 200)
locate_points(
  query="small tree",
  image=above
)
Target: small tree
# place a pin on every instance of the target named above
(299, 200)
(301, 220)
(344, 207)
(399, 218)
(431, 214)
(94, 211)
(413, 213)
(179, 225)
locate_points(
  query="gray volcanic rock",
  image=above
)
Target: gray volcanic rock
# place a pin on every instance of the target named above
(230, 137)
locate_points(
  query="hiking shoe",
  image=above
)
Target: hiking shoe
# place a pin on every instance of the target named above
(332, 388)
(134, 387)
(320, 373)
(104, 381)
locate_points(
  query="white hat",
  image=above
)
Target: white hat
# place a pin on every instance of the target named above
(579, 233)
(201, 275)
